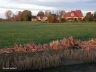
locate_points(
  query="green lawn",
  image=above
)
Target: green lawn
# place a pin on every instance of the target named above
(28, 32)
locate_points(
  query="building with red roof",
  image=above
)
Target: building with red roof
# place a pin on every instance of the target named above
(74, 14)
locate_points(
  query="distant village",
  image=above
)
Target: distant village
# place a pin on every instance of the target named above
(49, 16)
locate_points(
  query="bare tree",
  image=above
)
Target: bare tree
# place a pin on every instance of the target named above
(9, 14)
(89, 16)
(95, 16)
(62, 12)
(47, 12)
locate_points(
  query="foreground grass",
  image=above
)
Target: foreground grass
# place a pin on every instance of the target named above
(28, 32)
(46, 59)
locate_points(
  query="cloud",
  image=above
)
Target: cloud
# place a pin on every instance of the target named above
(26, 6)
(64, 1)
(18, 5)
(59, 4)
(45, 4)
(51, 1)
(22, 4)
(34, 5)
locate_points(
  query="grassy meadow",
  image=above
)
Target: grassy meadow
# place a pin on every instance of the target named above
(12, 33)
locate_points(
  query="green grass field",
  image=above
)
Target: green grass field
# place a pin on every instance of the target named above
(27, 32)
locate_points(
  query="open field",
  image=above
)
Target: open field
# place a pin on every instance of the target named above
(28, 32)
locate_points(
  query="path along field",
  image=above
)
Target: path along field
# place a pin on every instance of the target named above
(27, 32)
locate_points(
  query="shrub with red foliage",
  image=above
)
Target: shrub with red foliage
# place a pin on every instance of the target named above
(88, 45)
(55, 45)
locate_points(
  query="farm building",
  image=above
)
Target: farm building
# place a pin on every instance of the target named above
(34, 18)
(77, 14)
(42, 18)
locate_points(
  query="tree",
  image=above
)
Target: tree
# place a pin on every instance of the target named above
(19, 17)
(52, 18)
(47, 12)
(61, 16)
(94, 16)
(62, 12)
(89, 16)
(9, 14)
(19, 13)
(26, 15)
(40, 15)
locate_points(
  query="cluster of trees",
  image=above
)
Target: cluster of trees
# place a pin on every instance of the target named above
(59, 17)
(26, 15)
(90, 17)
(21, 16)
(52, 17)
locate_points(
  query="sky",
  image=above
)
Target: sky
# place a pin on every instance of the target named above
(36, 5)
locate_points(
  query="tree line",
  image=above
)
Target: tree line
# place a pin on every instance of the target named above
(26, 15)
(90, 17)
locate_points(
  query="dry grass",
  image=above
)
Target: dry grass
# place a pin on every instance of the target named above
(58, 44)
(55, 45)
(27, 61)
(59, 52)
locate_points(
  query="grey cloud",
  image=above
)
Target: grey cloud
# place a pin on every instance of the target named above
(50, 3)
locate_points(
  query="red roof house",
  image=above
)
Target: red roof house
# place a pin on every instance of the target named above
(74, 14)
